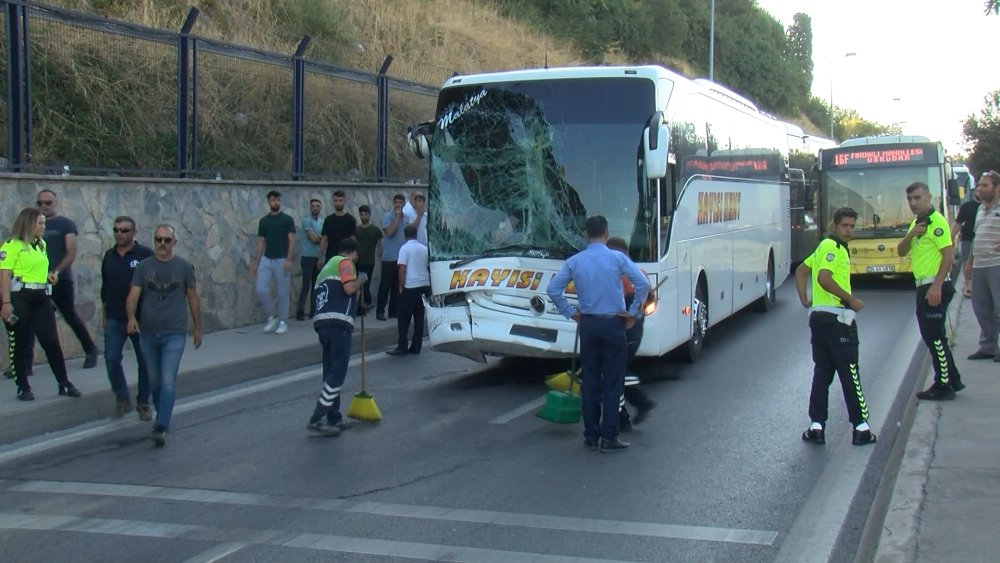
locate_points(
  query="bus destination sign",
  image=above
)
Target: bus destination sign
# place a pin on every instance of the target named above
(879, 156)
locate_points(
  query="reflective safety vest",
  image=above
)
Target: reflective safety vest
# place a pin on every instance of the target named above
(333, 304)
(925, 250)
(27, 263)
(831, 255)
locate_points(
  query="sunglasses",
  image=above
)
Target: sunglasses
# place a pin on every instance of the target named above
(45, 203)
(117, 230)
(164, 240)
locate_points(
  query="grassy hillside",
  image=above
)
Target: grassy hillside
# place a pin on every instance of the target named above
(122, 100)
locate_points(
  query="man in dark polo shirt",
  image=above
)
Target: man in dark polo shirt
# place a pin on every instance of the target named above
(119, 263)
(60, 245)
(273, 260)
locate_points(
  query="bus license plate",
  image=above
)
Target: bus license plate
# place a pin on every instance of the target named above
(880, 269)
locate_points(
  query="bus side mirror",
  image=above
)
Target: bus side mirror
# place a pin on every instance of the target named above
(954, 197)
(416, 139)
(655, 142)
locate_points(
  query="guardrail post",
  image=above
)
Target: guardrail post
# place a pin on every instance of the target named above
(382, 131)
(18, 95)
(299, 108)
(183, 87)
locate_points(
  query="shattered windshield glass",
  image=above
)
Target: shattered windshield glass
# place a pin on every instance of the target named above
(517, 167)
(879, 197)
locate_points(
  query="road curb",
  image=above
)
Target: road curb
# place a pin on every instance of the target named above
(891, 531)
(58, 415)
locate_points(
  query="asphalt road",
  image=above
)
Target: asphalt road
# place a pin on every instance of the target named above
(461, 469)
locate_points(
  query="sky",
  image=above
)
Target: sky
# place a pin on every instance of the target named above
(927, 64)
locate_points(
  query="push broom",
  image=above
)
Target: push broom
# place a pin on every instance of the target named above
(563, 406)
(363, 405)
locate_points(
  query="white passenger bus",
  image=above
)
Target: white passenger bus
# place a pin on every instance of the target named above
(692, 175)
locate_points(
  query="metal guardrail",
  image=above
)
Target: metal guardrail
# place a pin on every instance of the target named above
(36, 73)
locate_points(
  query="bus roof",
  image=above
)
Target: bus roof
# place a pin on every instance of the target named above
(644, 71)
(884, 139)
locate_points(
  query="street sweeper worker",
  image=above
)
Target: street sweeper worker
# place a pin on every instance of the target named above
(336, 295)
(602, 321)
(634, 394)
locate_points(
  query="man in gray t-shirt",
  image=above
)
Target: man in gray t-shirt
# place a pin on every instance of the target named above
(165, 283)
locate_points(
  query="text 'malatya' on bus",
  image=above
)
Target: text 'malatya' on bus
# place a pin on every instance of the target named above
(692, 175)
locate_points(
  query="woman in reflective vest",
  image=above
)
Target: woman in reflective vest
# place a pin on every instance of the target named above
(25, 285)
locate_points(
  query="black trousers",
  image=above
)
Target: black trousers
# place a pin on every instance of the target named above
(634, 394)
(933, 330)
(366, 294)
(388, 289)
(411, 305)
(35, 317)
(835, 349)
(310, 272)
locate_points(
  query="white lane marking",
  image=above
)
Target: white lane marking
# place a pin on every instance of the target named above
(320, 542)
(426, 551)
(523, 409)
(538, 521)
(813, 536)
(55, 440)
(217, 553)
(94, 525)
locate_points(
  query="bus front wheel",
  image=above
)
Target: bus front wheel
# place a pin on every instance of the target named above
(766, 302)
(699, 322)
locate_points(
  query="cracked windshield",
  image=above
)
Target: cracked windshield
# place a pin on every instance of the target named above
(517, 167)
(879, 197)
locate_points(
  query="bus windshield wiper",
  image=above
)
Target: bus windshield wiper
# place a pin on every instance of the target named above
(525, 250)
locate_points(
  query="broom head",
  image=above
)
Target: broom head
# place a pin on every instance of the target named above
(363, 407)
(563, 381)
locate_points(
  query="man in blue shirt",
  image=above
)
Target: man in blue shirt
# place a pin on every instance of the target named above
(601, 323)
(312, 227)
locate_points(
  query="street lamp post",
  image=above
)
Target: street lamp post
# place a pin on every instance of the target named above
(851, 54)
(711, 44)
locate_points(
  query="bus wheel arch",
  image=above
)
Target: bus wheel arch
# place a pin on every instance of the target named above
(699, 321)
(766, 301)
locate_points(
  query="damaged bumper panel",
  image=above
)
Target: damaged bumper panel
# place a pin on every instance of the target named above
(452, 330)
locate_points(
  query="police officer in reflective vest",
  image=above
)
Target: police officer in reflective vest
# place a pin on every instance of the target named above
(929, 244)
(834, 330)
(25, 286)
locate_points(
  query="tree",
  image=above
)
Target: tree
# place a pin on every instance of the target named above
(799, 53)
(992, 6)
(982, 133)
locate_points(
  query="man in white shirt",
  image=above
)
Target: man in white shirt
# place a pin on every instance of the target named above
(414, 282)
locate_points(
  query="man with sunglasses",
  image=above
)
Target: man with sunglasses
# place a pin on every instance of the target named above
(117, 268)
(166, 285)
(983, 267)
(60, 244)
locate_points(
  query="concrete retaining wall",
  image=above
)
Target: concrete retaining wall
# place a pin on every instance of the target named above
(216, 224)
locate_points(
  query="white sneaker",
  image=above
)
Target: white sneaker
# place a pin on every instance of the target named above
(282, 328)
(272, 323)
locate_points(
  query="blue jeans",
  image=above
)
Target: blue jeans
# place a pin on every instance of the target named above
(267, 269)
(163, 357)
(336, 342)
(603, 355)
(114, 343)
